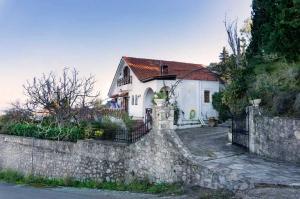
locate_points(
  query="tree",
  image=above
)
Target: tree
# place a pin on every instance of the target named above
(221, 68)
(276, 28)
(245, 34)
(235, 70)
(223, 110)
(224, 68)
(234, 41)
(224, 55)
(62, 97)
(17, 113)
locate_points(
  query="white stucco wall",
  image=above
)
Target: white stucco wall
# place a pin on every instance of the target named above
(189, 95)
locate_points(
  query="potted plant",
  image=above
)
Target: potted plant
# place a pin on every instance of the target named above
(212, 122)
(99, 133)
(254, 98)
(160, 98)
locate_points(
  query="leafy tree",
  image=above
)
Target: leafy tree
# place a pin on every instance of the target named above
(224, 67)
(276, 28)
(223, 110)
(224, 55)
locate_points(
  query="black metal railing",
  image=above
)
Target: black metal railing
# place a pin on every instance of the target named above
(139, 132)
(124, 81)
(133, 135)
(126, 135)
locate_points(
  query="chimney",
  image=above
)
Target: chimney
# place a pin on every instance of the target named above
(163, 70)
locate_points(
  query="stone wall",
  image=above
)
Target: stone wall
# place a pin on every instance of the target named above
(159, 156)
(277, 138)
(82, 160)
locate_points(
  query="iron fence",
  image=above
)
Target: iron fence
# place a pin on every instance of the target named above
(131, 135)
(240, 130)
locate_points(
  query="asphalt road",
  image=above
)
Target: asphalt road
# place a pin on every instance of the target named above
(8, 191)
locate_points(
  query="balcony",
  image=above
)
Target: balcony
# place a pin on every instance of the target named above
(124, 81)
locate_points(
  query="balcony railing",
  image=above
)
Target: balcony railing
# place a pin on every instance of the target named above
(124, 81)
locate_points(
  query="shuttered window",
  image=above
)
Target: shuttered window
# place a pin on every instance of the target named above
(136, 100)
(206, 97)
(132, 100)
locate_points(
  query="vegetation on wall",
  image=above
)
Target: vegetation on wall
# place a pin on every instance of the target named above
(103, 129)
(269, 67)
(223, 110)
(273, 55)
(144, 186)
(63, 108)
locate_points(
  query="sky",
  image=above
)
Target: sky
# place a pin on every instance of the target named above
(39, 36)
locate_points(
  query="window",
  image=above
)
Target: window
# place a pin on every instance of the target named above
(132, 100)
(136, 100)
(126, 73)
(206, 97)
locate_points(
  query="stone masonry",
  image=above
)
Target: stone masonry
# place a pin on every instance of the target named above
(276, 138)
(160, 156)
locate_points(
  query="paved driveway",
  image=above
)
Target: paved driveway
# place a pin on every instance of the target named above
(211, 146)
(209, 143)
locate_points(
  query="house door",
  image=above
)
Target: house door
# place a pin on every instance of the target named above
(126, 99)
(148, 96)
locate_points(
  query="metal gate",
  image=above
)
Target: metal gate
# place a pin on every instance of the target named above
(240, 130)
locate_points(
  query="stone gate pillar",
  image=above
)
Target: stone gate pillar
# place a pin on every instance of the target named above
(253, 112)
(163, 118)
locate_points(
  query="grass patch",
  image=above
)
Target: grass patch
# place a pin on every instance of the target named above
(14, 177)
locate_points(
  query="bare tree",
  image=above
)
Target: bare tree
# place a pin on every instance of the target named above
(62, 97)
(18, 113)
(234, 41)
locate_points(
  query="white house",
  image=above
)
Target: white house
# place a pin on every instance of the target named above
(136, 80)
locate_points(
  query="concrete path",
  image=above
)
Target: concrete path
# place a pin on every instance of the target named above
(8, 191)
(212, 149)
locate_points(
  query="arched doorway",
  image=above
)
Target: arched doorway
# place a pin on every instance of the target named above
(148, 96)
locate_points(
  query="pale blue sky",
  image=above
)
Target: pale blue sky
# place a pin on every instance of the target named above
(92, 35)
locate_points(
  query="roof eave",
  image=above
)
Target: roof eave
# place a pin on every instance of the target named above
(163, 77)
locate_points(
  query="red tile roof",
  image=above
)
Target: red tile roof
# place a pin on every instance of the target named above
(150, 68)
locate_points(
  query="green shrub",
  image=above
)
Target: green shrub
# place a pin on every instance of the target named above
(283, 102)
(235, 94)
(278, 84)
(129, 122)
(106, 129)
(110, 128)
(224, 112)
(296, 105)
(67, 133)
(2, 122)
(11, 176)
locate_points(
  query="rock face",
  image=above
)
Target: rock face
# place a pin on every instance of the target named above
(276, 138)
